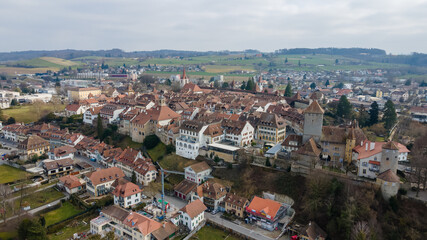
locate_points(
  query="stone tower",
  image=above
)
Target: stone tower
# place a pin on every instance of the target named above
(389, 157)
(313, 122)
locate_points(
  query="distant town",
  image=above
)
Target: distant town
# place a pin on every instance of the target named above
(244, 145)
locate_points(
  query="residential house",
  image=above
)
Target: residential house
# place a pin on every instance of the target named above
(74, 109)
(292, 143)
(235, 205)
(15, 132)
(270, 128)
(99, 182)
(239, 133)
(190, 139)
(91, 114)
(54, 168)
(62, 152)
(34, 146)
(71, 184)
(198, 172)
(211, 193)
(124, 224)
(192, 214)
(110, 113)
(185, 189)
(265, 213)
(126, 194)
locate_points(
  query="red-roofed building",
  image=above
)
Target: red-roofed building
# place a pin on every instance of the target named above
(266, 213)
(375, 157)
(126, 194)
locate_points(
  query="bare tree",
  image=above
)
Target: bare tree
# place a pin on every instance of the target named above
(5, 193)
(419, 161)
(361, 231)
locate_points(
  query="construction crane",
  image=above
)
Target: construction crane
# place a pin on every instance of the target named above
(163, 171)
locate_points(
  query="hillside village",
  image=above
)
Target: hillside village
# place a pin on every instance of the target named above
(155, 157)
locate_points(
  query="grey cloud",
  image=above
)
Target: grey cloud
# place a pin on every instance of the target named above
(397, 26)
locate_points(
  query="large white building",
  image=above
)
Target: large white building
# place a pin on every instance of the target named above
(190, 138)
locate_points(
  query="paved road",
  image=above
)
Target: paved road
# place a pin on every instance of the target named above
(235, 227)
(81, 158)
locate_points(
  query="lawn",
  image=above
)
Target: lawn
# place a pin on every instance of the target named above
(157, 151)
(65, 211)
(11, 174)
(211, 233)
(31, 113)
(127, 141)
(76, 226)
(8, 235)
(175, 163)
(38, 199)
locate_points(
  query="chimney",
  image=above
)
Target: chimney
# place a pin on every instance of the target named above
(366, 147)
(372, 146)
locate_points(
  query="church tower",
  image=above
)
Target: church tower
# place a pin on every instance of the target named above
(184, 79)
(313, 122)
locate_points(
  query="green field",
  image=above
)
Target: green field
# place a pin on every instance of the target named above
(11, 174)
(49, 62)
(65, 211)
(29, 113)
(157, 151)
(211, 233)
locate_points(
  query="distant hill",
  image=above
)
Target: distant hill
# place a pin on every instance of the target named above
(367, 54)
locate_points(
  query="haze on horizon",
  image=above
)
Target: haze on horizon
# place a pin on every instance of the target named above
(200, 25)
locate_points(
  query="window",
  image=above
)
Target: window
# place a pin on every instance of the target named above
(364, 171)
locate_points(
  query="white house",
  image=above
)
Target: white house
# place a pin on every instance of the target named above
(192, 214)
(126, 194)
(71, 184)
(238, 132)
(74, 109)
(198, 172)
(62, 152)
(111, 112)
(91, 114)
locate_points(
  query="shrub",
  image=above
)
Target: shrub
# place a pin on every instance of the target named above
(402, 191)
(170, 149)
(229, 166)
(151, 141)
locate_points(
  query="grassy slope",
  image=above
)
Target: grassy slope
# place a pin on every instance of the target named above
(38, 199)
(157, 151)
(175, 162)
(10, 174)
(27, 113)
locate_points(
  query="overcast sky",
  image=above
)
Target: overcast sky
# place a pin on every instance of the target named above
(397, 26)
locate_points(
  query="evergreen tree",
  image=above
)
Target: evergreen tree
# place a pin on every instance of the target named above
(344, 108)
(299, 63)
(363, 116)
(327, 83)
(288, 90)
(250, 86)
(373, 113)
(10, 120)
(42, 221)
(133, 178)
(313, 86)
(286, 60)
(31, 230)
(243, 87)
(225, 85)
(390, 116)
(99, 127)
(14, 102)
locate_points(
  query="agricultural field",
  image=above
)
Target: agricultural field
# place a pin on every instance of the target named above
(47, 62)
(226, 68)
(65, 211)
(29, 113)
(22, 70)
(11, 174)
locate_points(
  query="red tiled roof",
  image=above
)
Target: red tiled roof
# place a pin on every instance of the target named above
(267, 206)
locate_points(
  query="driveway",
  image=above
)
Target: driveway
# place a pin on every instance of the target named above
(175, 202)
(81, 158)
(251, 234)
